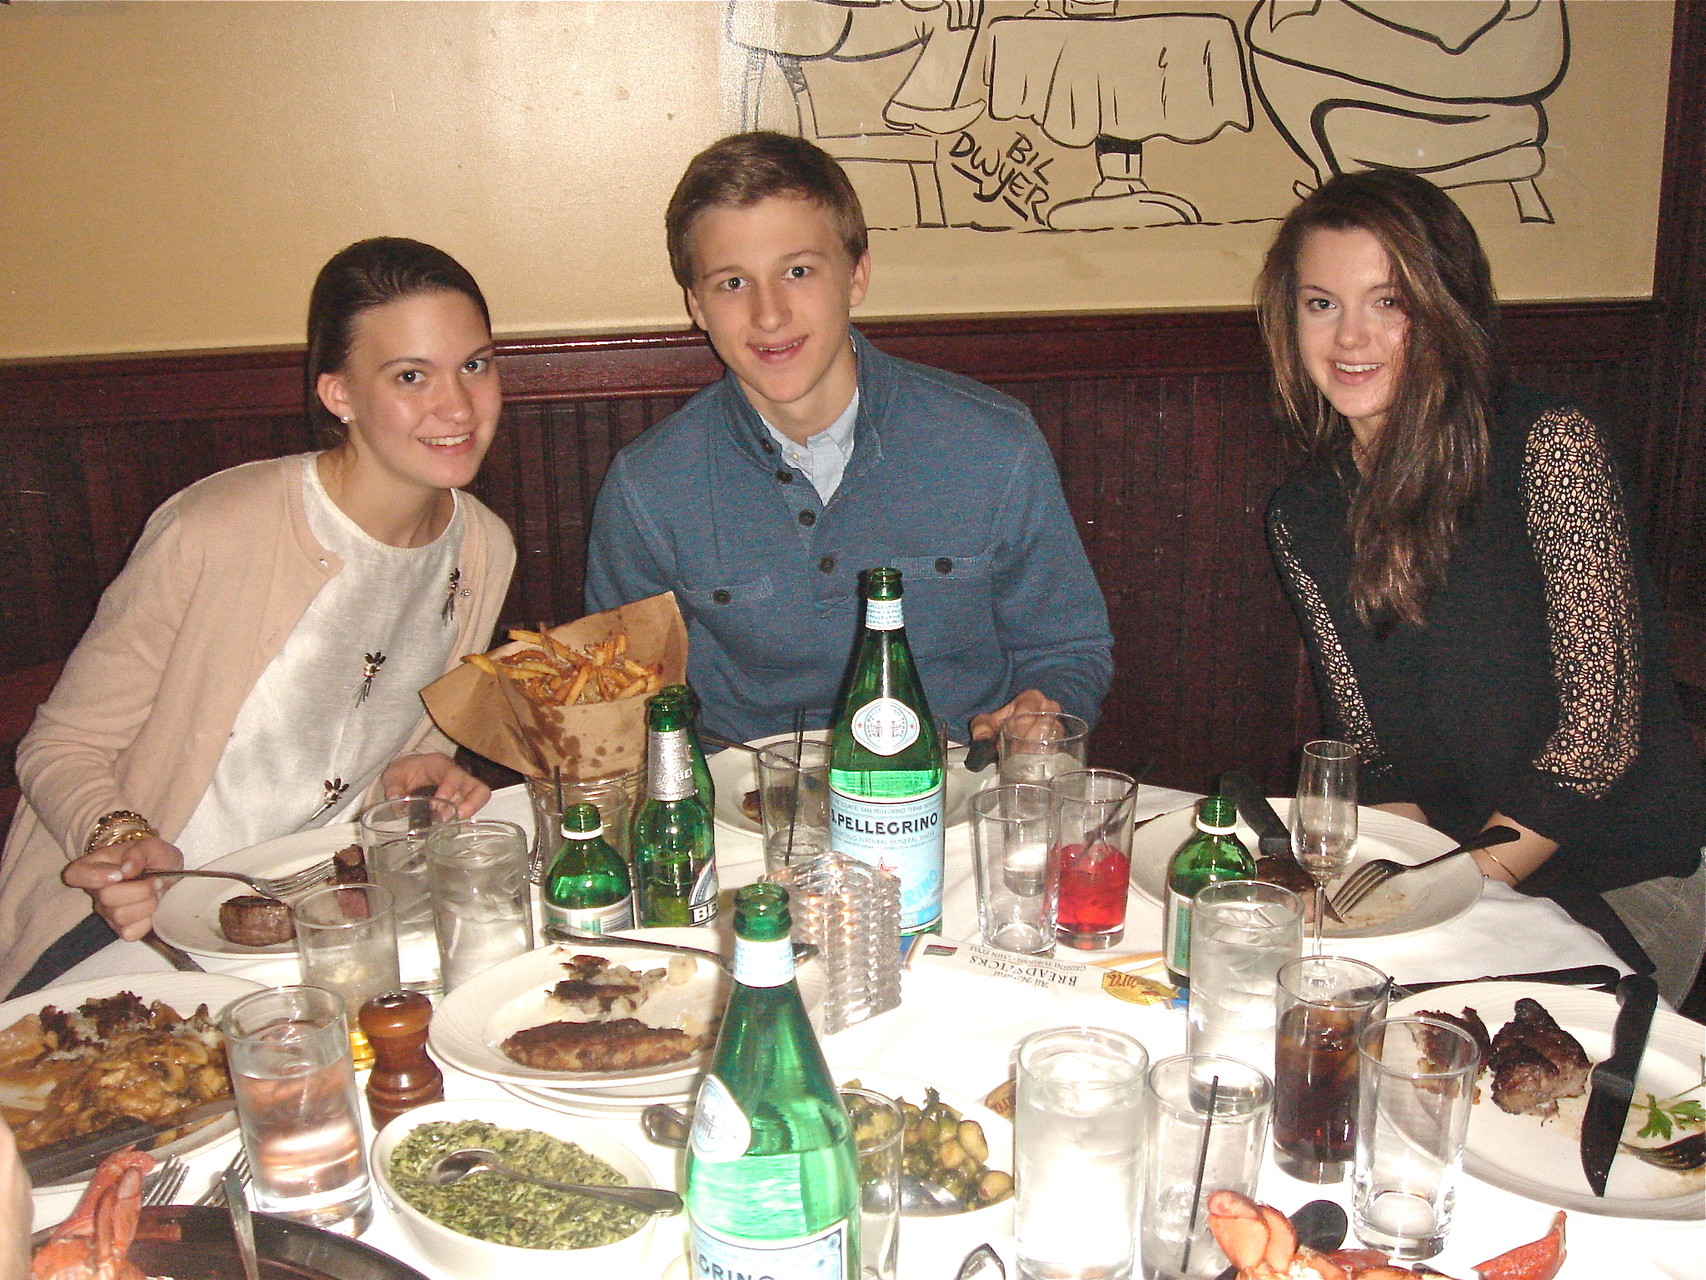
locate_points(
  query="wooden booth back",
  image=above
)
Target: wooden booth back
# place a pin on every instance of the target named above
(1160, 425)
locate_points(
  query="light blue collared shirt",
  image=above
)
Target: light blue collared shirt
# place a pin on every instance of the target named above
(823, 457)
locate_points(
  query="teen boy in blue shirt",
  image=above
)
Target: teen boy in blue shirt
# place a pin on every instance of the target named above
(816, 457)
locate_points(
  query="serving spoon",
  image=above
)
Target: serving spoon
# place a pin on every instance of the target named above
(452, 1167)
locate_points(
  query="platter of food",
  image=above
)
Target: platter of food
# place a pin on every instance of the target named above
(189, 915)
(191, 1241)
(1526, 1122)
(1404, 904)
(136, 1047)
(589, 1015)
(734, 773)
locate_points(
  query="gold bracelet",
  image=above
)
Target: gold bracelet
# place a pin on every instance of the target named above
(118, 827)
(1515, 879)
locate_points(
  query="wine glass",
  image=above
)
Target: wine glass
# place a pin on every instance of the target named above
(1324, 827)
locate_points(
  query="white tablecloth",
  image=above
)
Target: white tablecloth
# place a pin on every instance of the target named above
(957, 1030)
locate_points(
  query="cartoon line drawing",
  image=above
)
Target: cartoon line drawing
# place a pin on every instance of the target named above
(1088, 74)
(1454, 92)
(1450, 91)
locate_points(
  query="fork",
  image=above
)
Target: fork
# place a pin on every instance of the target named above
(165, 1182)
(215, 1194)
(271, 887)
(1377, 871)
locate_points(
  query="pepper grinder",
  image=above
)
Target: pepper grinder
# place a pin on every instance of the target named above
(403, 1076)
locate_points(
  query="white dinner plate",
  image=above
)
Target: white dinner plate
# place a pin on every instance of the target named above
(1541, 1159)
(1405, 904)
(183, 992)
(188, 915)
(734, 773)
(678, 1093)
(475, 1019)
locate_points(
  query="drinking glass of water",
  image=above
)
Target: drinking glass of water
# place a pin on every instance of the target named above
(1038, 746)
(297, 1106)
(1077, 1147)
(1242, 931)
(394, 835)
(481, 897)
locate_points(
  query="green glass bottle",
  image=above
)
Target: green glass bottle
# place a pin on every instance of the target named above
(772, 1172)
(885, 762)
(587, 887)
(1213, 853)
(701, 770)
(675, 864)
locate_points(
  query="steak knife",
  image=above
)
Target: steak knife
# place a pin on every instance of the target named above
(1272, 838)
(74, 1157)
(242, 1225)
(1614, 1079)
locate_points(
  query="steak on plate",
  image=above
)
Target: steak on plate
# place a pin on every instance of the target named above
(1535, 1062)
(250, 920)
(621, 1045)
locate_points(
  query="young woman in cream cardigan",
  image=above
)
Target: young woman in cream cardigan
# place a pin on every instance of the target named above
(255, 668)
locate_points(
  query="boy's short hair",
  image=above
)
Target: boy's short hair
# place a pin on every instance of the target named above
(745, 168)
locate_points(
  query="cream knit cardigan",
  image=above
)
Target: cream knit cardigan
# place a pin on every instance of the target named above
(221, 574)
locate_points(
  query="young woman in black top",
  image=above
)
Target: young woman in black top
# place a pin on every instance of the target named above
(1461, 557)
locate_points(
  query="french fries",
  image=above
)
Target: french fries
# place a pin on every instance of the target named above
(552, 674)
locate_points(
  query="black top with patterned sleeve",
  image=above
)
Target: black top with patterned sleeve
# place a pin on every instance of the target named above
(1538, 685)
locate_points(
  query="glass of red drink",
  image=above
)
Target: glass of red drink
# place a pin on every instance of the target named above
(1323, 1003)
(1093, 856)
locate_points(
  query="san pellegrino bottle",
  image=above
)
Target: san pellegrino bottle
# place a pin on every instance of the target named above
(701, 769)
(885, 762)
(772, 1171)
(675, 865)
(587, 887)
(1214, 852)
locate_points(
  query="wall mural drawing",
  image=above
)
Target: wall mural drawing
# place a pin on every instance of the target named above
(1003, 115)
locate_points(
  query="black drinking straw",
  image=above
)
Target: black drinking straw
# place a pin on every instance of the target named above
(1202, 1165)
(799, 782)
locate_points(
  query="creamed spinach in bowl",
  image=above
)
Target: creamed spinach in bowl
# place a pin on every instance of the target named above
(490, 1207)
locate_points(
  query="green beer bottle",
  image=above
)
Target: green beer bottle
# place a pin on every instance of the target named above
(1214, 852)
(772, 1172)
(675, 865)
(587, 886)
(701, 770)
(885, 762)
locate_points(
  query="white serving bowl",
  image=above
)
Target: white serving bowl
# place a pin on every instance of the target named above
(466, 1257)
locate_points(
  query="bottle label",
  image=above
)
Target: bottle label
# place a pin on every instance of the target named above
(883, 615)
(618, 915)
(721, 1131)
(900, 836)
(1176, 935)
(764, 964)
(821, 1256)
(702, 902)
(669, 774)
(885, 726)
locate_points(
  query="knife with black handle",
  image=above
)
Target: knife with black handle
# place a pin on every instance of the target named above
(1614, 1079)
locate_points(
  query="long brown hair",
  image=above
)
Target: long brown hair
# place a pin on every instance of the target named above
(1428, 462)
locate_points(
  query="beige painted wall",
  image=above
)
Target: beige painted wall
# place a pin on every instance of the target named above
(172, 174)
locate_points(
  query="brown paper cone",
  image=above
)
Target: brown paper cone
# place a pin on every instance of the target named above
(489, 715)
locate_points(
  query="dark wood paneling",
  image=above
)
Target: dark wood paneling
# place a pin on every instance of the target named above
(1159, 422)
